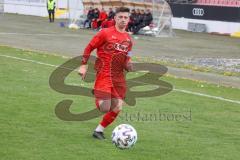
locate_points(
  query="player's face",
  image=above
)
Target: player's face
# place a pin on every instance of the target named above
(122, 19)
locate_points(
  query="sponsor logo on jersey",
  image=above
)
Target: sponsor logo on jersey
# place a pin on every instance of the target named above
(121, 47)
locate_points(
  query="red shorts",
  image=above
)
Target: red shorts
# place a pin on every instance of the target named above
(108, 91)
(106, 88)
(104, 92)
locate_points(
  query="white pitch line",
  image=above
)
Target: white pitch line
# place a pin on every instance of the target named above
(175, 89)
(29, 60)
(206, 95)
(38, 34)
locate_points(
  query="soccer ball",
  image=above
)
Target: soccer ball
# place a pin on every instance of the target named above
(124, 136)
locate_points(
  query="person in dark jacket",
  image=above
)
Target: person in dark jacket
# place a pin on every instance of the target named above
(111, 14)
(147, 20)
(90, 16)
(139, 22)
(95, 18)
(132, 20)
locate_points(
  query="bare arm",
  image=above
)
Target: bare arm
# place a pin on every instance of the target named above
(129, 65)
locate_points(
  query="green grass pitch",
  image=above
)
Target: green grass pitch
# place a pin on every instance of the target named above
(30, 130)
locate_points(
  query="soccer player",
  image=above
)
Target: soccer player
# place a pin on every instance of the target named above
(113, 58)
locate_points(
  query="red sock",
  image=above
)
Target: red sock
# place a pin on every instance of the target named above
(108, 118)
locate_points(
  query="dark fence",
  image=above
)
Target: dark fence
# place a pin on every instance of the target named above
(218, 13)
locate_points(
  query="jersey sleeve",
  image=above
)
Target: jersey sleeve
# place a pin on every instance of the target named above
(128, 65)
(96, 42)
(129, 53)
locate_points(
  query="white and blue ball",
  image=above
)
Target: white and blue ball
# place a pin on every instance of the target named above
(124, 136)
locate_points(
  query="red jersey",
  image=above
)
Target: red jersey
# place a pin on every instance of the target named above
(108, 23)
(113, 52)
(102, 16)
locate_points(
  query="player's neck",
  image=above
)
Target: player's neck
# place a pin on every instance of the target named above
(122, 30)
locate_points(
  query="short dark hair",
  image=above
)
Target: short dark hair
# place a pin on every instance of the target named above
(122, 9)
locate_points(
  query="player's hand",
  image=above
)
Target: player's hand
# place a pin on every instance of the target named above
(129, 66)
(82, 71)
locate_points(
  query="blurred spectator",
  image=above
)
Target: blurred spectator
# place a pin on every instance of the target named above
(109, 22)
(138, 19)
(147, 20)
(139, 22)
(95, 18)
(131, 23)
(51, 5)
(102, 17)
(111, 13)
(90, 16)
